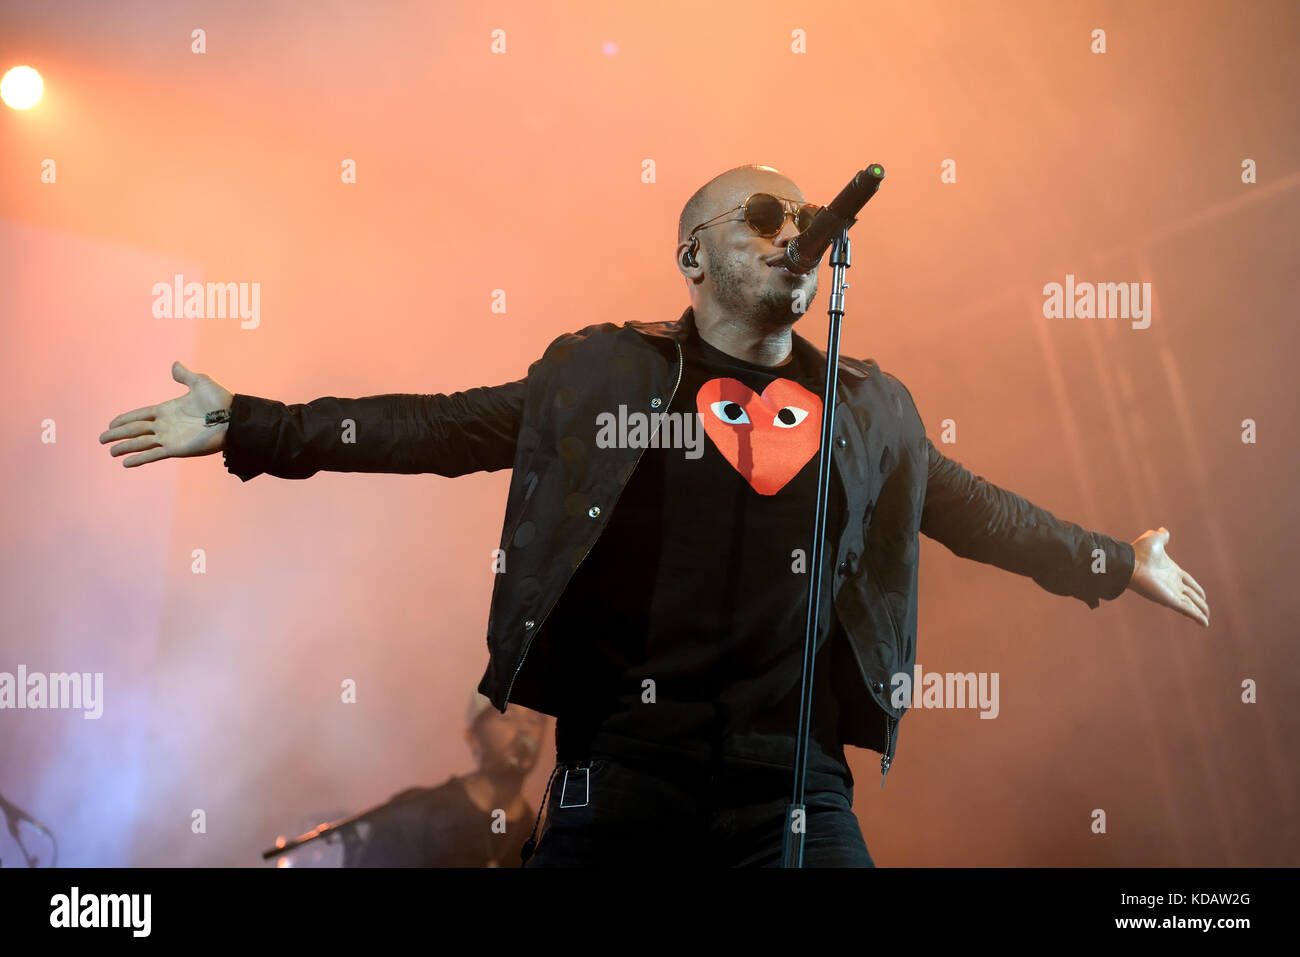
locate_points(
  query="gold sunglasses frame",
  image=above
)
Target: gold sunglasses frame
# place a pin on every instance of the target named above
(786, 203)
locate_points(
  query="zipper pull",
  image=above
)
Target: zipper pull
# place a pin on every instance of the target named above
(885, 759)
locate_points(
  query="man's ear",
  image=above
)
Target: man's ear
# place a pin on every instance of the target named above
(688, 259)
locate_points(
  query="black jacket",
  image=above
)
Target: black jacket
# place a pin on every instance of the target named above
(893, 484)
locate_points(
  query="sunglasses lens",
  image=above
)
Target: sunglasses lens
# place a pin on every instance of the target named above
(765, 214)
(806, 216)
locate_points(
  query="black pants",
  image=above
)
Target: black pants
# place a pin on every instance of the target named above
(608, 813)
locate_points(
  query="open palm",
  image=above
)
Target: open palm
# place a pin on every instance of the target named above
(175, 428)
(1157, 576)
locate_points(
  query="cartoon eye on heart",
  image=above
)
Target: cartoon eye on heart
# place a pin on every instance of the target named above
(729, 412)
(786, 418)
(767, 438)
(789, 417)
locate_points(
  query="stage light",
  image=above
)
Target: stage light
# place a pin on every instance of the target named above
(21, 88)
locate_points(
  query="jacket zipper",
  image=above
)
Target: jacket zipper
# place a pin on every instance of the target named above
(886, 759)
(537, 629)
(891, 725)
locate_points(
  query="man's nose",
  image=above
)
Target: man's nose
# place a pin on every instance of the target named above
(788, 232)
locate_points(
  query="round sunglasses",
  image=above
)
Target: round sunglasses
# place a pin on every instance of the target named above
(766, 214)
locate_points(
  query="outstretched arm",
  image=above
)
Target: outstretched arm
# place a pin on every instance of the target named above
(978, 520)
(470, 431)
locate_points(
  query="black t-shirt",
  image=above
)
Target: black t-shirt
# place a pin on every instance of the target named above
(439, 827)
(681, 634)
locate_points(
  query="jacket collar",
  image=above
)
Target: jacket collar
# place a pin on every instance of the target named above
(679, 330)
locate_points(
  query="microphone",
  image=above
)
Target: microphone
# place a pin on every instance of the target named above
(804, 252)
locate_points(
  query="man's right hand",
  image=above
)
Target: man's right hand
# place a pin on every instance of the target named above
(174, 428)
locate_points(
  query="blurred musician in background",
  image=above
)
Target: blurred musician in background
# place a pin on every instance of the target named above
(480, 819)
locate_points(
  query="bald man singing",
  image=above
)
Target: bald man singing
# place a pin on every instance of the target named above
(652, 592)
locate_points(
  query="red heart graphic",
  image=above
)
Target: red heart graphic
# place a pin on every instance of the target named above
(767, 438)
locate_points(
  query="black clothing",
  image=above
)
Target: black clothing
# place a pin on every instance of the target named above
(893, 485)
(439, 827)
(623, 815)
(680, 637)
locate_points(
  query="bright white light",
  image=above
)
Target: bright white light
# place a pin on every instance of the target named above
(21, 88)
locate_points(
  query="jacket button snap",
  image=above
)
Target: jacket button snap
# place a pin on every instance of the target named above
(528, 625)
(656, 402)
(844, 566)
(880, 686)
(594, 511)
(841, 441)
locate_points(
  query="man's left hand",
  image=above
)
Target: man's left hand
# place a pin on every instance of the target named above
(1158, 577)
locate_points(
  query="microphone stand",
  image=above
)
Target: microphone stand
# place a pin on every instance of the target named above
(796, 817)
(14, 816)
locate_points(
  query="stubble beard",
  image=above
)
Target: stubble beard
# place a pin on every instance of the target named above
(772, 308)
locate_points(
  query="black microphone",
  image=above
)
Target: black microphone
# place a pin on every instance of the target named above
(806, 250)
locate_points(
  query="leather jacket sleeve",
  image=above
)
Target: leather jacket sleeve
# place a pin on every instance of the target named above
(470, 431)
(978, 520)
